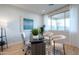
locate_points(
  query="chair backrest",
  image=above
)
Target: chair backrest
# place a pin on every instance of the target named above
(48, 33)
(58, 38)
(66, 33)
(47, 37)
(23, 37)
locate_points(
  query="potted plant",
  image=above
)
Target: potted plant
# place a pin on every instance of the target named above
(35, 33)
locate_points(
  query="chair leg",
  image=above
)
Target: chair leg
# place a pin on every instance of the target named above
(25, 53)
(2, 48)
(64, 49)
(54, 47)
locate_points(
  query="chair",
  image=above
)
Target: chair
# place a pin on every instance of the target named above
(27, 46)
(48, 35)
(47, 40)
(2, 43)
(56, 44)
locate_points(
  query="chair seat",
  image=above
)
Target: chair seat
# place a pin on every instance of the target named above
(58, 37)
(46, 37)
(27, 45)
(2, 43)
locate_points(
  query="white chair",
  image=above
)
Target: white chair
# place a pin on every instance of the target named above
(47, 40)
(26, 46)
(56, 44)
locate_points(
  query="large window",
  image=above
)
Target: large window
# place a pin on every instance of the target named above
(67, 20)
(60, 21)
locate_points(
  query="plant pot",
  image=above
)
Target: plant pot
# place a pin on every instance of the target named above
(35, 37)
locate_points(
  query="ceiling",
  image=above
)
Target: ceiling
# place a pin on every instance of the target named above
(39, 8)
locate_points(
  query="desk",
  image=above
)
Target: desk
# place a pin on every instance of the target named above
(37, 47)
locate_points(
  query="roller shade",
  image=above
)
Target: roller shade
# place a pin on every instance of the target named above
(60, 10)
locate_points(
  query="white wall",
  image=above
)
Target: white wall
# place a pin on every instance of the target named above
(12, 15)
(46, 21)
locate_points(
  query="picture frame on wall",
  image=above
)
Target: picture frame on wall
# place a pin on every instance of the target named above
(27, 24)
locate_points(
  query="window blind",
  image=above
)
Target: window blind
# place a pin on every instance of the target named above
(60, 10)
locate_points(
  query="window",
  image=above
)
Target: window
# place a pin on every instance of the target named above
(61, 21)
(67, 20)
(48, 27)
(54, 25)
(58, 21)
